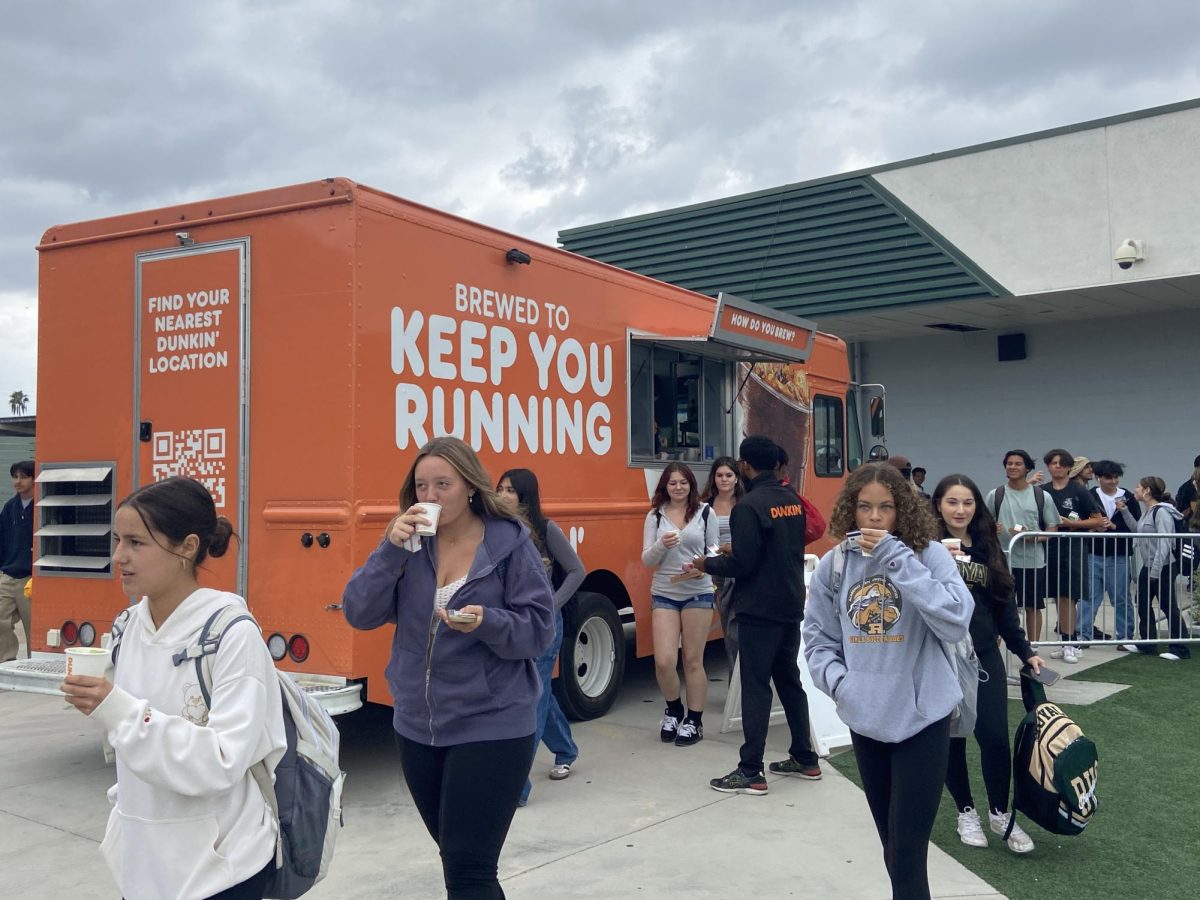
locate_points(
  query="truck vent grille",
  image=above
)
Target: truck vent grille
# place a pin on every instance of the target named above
(75, 519)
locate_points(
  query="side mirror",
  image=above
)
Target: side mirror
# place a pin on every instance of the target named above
(878, 453)
(877, 429)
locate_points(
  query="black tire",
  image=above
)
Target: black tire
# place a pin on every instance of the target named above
(591, 664)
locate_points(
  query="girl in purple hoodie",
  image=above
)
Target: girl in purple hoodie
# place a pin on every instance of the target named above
(472, 610)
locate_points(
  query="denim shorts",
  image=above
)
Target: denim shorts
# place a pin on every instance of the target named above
(700, 601)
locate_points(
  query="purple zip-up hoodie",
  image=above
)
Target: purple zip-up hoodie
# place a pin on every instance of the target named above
(449, 687)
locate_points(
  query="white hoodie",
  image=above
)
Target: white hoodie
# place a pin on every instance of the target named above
(188, 819)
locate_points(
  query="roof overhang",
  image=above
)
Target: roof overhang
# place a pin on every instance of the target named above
(1006, 314)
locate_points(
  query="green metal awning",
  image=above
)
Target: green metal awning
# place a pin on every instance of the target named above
(835, 246)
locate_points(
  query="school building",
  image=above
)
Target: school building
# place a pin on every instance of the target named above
(1035, 292)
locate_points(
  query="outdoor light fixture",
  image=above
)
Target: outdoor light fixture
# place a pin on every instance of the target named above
(518, 256)
(185, 239)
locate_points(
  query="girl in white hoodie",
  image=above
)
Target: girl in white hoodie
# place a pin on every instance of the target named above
(188, 819)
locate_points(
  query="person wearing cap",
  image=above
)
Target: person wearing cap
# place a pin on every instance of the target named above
(906, 469)
(1081, 472)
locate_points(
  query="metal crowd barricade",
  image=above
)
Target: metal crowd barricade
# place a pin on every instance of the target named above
(1119, 601)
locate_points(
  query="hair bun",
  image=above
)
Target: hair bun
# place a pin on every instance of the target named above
(218, 541)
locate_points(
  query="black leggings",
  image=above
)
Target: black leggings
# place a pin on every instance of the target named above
(466, 795)
(903, 784)
(991, 733)
(1161, 589)
(250, 889)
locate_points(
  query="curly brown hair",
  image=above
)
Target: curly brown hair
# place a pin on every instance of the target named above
(914, 518)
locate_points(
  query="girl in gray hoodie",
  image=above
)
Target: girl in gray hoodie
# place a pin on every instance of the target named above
(873, 637)
(1158, 564)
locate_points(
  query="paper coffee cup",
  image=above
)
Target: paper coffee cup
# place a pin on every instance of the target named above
(954, 545)
(853, 537)
(90, 661)
(433, 512)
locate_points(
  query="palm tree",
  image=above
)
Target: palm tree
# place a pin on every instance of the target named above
(17, 402)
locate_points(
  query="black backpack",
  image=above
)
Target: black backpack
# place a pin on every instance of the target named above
(1054, 766)
(1185, 547)
(1039, 500)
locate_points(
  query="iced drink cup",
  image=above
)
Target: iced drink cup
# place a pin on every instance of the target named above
(954, 545)
(90, 661)
(433, 512)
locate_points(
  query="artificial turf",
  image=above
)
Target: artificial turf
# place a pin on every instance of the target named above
(1144, 842)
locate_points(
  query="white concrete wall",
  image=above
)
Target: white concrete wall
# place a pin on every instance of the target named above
(1048, 215)
(953, 408)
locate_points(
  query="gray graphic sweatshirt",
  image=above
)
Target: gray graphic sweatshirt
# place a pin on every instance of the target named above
(875, 648)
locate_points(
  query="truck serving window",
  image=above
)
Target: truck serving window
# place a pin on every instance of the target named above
(829, 445)
(676, 404)
(75, 514)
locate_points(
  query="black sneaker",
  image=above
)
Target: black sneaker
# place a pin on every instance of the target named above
(738, 782)
(789, 766)
(689, 733)
(669, 728)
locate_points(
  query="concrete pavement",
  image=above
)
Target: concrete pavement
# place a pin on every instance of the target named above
(635, 819)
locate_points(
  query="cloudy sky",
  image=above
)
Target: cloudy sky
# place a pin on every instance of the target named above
(530, 116)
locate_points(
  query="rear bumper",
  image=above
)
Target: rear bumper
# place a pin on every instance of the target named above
(44, 673)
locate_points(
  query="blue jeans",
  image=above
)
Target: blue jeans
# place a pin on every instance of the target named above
(1107, 573)
(552, 727)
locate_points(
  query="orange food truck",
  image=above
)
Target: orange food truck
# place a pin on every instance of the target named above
(292, 349)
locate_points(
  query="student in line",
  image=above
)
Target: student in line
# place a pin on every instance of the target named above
(188, 818)
(961, 513)
(1158, 563)
(722, 492)
(465, 693)
(873, 644)
(679, 527)
(519, 488)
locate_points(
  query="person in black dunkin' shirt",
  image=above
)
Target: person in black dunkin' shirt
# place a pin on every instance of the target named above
(1067, 558)
(767, 560)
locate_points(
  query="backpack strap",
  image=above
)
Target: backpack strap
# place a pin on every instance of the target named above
(208, 643)
(839, 568)
(1039, 500)
(997, 499)
(120, 623)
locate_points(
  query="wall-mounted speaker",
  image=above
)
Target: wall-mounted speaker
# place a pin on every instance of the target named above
(1010, 347)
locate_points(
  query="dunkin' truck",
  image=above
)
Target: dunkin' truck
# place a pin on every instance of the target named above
(293, 348)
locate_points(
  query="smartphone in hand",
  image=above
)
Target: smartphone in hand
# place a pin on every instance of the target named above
(1045, 676)
(463, 618)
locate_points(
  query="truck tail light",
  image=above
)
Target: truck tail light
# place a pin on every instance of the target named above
(298, 648)
(70, 632)
(277, 645)
(87, 634)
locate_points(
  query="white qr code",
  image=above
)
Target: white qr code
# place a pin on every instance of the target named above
(197, 453)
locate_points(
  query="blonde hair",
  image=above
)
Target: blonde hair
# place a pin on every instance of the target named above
(483, 503)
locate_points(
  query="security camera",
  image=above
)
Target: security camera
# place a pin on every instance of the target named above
(1128, 253)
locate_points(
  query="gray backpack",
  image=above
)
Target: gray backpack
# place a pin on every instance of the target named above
(306, 794)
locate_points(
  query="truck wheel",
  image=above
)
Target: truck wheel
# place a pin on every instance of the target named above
(591, 664)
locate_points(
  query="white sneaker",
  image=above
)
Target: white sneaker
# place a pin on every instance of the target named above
(970, 829)
(1018, 841)
(1070, 654)
(1058, 653)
